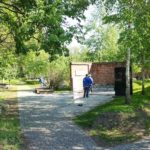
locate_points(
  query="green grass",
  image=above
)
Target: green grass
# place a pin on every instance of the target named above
(13, 81)
(10, 132)
(115, 122)
(21, 81)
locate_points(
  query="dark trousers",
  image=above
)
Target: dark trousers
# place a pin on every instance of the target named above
(86, 92)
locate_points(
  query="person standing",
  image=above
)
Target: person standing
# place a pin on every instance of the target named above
(91, 86)
(42, 81)
(86, 85)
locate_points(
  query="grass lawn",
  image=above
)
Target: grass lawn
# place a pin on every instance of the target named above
(115, 122)
(10, 132)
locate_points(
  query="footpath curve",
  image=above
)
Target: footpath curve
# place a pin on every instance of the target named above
(46, 122)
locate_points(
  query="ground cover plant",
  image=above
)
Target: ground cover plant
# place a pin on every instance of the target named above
(115, 122)
(10, 131)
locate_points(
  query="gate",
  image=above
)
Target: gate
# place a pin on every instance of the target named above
(78, 73)
(120, 81)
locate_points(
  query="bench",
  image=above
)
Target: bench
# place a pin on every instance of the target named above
(43, 90)
(3, 85)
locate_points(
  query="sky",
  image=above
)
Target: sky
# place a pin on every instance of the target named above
(88, 14)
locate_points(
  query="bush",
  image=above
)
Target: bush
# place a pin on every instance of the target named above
(58, 73)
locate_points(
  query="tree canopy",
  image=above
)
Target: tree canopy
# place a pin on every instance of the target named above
(43, 20)
(134, 21)
(133, 18)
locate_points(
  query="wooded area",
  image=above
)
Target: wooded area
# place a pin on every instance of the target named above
(34, 36)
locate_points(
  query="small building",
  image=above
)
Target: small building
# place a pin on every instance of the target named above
(103, 74)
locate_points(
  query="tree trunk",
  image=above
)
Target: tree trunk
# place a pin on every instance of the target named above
(142, 71)
(128, 97)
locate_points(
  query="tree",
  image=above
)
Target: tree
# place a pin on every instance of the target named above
(43, 20)
(126, 13)
(142, 29)
(100, 39)
(8, 61)
(36, 65)
(8, 65)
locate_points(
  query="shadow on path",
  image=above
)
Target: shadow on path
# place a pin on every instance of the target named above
(46, 122)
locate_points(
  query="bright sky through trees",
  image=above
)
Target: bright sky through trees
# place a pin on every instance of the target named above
(88, 14)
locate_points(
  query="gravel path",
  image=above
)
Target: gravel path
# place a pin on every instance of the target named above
(46, 122)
